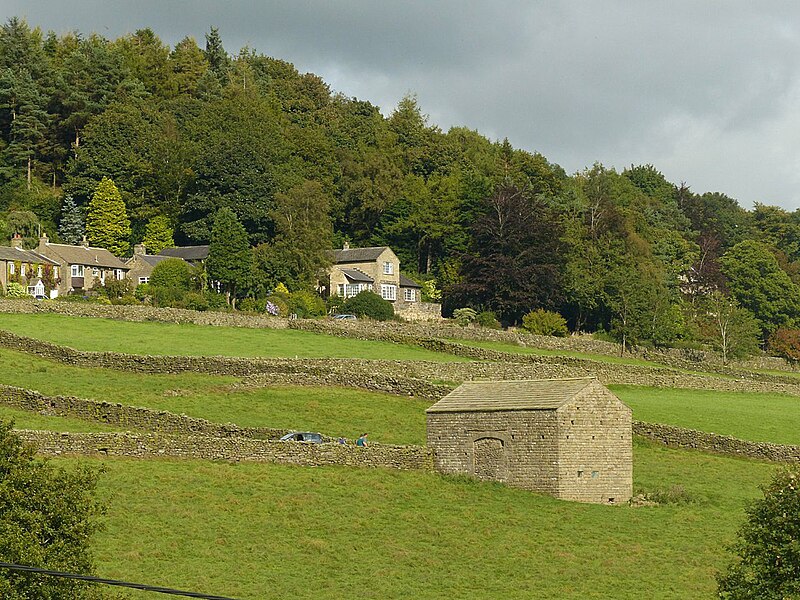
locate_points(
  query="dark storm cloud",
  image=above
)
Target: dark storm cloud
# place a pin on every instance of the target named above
(705, 91)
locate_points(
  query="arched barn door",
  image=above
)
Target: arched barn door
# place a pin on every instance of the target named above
(489, 459)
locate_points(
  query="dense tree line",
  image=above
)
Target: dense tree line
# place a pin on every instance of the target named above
(184, 132)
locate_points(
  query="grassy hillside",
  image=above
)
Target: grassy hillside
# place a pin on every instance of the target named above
(84, 333)
(255, 531)
(749, 416)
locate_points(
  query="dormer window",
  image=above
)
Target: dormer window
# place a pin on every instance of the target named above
(388, 268)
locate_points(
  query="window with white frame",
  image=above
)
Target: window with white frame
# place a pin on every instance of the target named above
(22, 270)
(55, 272)
(340, 289)
(388, 268)
(388, 292)
(95, 272)
(10, 268)
(118, 274)
(77, 270)
(39, 271)
(144, 279)
(409, 294)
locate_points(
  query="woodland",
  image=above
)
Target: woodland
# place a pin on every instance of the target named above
(181, 132)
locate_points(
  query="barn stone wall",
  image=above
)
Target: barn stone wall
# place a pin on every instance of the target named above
(595, 448)
(515, 447)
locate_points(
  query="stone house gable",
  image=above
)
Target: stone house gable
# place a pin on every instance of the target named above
(571, 438)
(37, 273)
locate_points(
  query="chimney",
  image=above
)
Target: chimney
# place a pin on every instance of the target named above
(16, 241)
(346, 245)
(43, 241)
(85, 242)
(139, 249)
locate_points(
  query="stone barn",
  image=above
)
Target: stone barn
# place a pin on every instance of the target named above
(571, 438)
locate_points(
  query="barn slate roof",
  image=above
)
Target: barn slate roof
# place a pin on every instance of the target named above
(489, 396)
(351, 255)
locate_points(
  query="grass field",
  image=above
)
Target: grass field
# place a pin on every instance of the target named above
(24, 419)
(749, 416)
(331, 410)
(255, 531)
(198, 340)
(389, 419)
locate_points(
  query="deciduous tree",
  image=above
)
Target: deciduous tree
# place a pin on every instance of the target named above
(47, 519)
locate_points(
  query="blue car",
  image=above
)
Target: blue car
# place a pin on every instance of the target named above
(303, 436)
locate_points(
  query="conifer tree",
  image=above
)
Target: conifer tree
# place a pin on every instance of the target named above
(107, 223)
(230, 258)
(71, 229)
(158, 235)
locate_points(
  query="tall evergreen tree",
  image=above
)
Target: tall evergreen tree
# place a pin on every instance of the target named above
(230, 258)
(158, 234)
(217, 57)
(71, 229)
(107, 223)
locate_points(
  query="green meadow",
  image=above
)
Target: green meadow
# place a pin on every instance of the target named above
(197, 340)
(254, 531)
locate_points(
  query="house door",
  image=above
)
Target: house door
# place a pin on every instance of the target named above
(489, 459)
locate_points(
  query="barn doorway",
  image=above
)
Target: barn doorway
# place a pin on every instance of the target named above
(489, 459)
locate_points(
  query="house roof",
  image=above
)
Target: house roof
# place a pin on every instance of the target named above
(357, 276)
(488, 396)
(408, 283)
(352, 255)
(10, 253)
(186, 252)
(84, 255)
(154, 259)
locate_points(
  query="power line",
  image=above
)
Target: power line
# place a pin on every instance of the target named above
(127, 584)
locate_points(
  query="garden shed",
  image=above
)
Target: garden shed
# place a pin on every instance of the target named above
(571, 438)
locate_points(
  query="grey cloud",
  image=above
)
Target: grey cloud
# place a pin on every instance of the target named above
(706, 91)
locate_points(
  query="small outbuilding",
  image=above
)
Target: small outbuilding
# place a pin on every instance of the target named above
(571, 438)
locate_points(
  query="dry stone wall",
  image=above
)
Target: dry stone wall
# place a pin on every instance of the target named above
(679, 437)
(124, 416)
(425, 379)
(151, 445)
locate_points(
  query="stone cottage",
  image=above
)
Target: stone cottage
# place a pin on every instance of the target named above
(376, 269)
(36, 273)
(81, 267)
(570, 438)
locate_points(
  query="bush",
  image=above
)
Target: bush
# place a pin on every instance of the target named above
(307, 305)
(279, 301)
(117, 288)
(195, 301)
(215, 300)
(172, 272)
(125, 301)
(464, 316)
(167, 296)
(16, 290)
(48, 519)
(785, 343)
(768, 554)
(545, 322)
(487, 319)
(369, 304)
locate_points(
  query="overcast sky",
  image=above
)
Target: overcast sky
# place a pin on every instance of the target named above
(708, 91)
